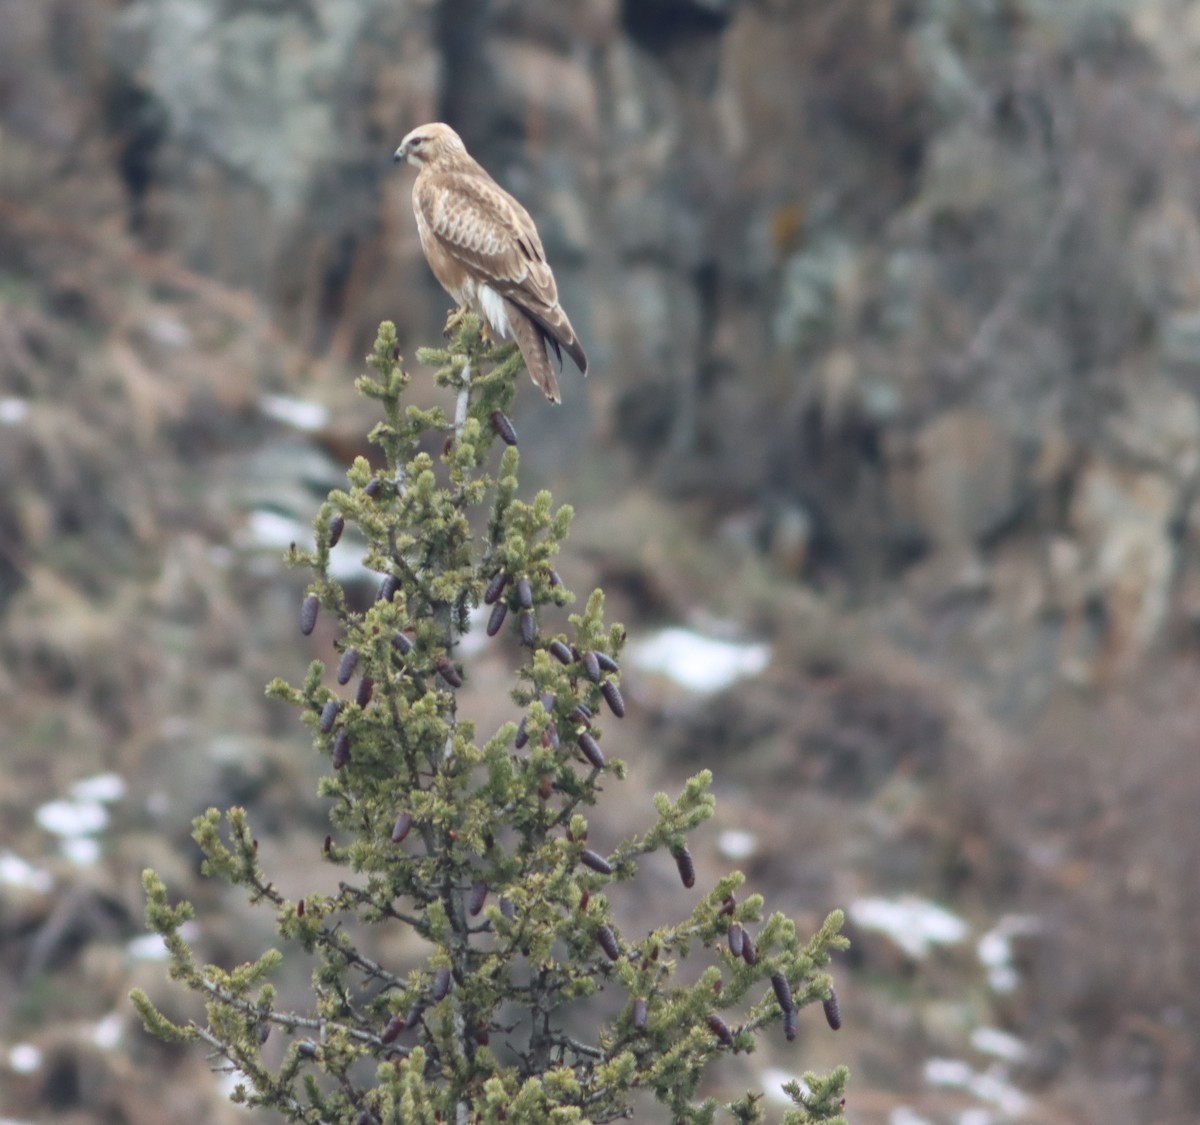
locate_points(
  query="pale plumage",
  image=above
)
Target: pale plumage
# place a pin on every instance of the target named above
(485, 251)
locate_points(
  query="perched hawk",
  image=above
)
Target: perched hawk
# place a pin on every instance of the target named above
(484, 249)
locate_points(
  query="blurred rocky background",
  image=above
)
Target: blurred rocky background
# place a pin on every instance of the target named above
(888, 461)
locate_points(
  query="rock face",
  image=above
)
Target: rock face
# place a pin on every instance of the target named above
(914, 286)
(831, 260)
(264, 138)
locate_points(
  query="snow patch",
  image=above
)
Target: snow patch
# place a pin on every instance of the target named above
(72, 819)
(737, 844)
(102, 787)
(295, 412)
(696, 662)
(914, 924)
(24, 1058)
(18, 872)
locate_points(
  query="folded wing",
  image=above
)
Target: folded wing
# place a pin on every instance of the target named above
(490, 235)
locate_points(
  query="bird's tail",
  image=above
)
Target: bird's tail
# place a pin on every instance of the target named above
(532, 342)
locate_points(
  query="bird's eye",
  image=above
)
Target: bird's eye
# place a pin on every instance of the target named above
(417, 142)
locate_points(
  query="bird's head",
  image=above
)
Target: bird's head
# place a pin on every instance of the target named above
(429, 142)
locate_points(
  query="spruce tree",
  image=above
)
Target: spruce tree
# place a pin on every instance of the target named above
(481, 847)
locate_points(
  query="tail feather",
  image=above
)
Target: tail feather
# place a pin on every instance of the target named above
(575, 350)
(561, 336)
(532, 342)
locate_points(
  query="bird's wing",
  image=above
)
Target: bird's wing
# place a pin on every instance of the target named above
(488, 233)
